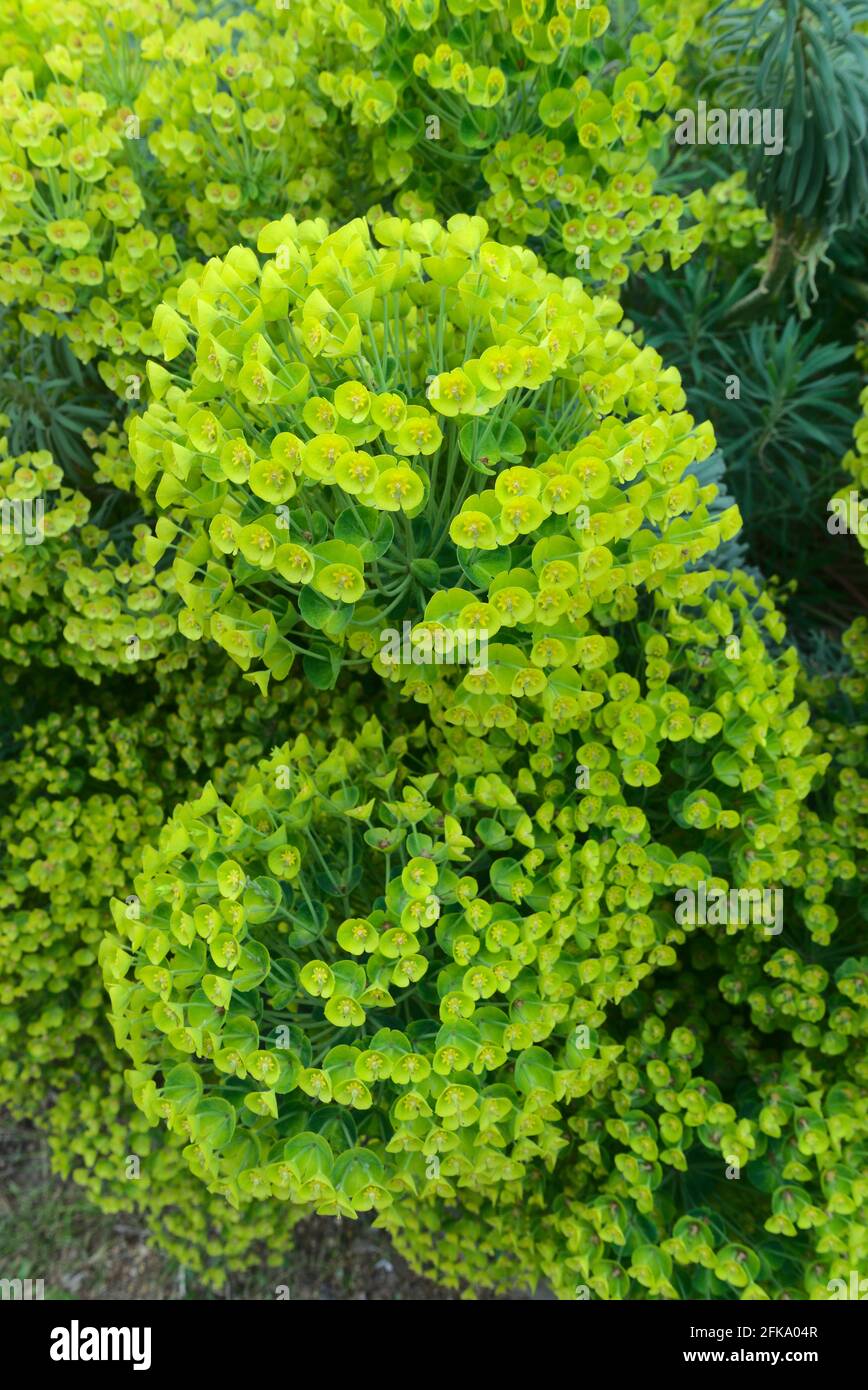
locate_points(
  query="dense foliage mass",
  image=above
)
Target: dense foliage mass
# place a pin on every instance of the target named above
(433, 743)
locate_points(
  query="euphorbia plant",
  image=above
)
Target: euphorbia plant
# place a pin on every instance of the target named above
(563, 110)
(362, 984)
(83, 257)
(84, 792)
(430, 967)
(229, 109)
(125, 149)
(72, 592)
(432, 430)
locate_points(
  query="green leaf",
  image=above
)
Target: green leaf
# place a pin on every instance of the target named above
(308, 923)
(314, 608)
(370, 531)
(484, 568)
(183, 1087)
(309, 1156)
(212, 1123)
(262, 898)
(484, 445)
(534, 1071)
(492, 834)
(427, 572)
(477, 128)
(252, 967)
(322, 668)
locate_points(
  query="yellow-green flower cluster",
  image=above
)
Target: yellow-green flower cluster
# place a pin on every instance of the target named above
(229, 111)
(139, 137)
(729, 217)
(112, 462)
(67, 593)
(595, 223)
(312, 397)
(437, 960)
(432, 112)
(79, 258)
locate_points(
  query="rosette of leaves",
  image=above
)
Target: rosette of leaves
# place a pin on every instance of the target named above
(563, 116)
(808, 59)
(780, 396)
(49, 399)
(433, 430)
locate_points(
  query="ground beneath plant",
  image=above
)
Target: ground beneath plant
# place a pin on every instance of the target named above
(49, 1231)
